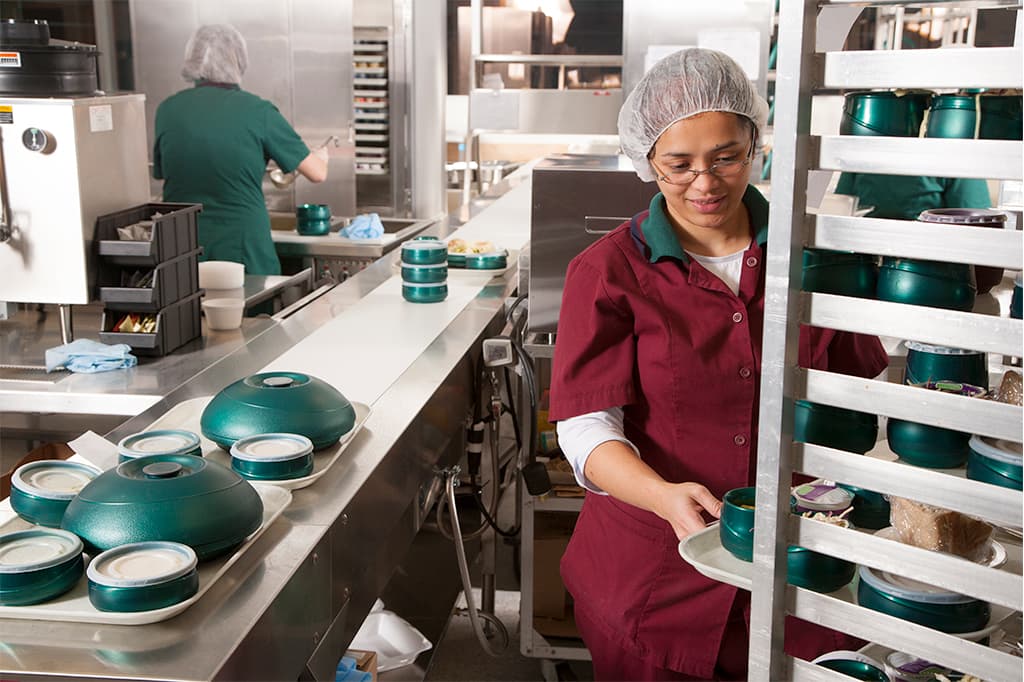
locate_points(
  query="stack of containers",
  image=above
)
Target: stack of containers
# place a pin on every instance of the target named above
(424, 270)
(149, 270)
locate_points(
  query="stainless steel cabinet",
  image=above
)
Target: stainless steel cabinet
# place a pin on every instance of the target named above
(802, 72)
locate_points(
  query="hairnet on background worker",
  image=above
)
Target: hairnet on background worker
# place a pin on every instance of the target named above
(216, 53)
(684, 84)
(655, 381)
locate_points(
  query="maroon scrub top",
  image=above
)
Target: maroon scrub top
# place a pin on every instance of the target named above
(644, 327)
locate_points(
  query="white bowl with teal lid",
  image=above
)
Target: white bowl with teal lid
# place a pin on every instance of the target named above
(159, 442)
(42, 490)
(424, 252)
(272, 456)
(425, 293)
(996, 461)
(928, 362)
(38, 564)
(921, 603)
(142, 576)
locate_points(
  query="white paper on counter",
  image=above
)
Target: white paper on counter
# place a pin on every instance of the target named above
(95, 449)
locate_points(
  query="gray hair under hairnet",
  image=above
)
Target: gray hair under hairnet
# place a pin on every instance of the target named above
(684, 84)
(216, 52)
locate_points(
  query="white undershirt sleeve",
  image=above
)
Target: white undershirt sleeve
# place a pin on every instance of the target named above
(578, 436)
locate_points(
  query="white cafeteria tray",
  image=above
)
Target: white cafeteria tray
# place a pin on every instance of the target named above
(75, 607)
(186, 415)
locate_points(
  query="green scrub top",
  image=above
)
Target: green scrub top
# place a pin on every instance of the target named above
(903, 197)
(212, 146)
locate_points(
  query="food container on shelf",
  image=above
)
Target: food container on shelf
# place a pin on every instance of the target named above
(223, 313)
(920, 603)
(42, 490)
(424, 274)
(278, 402)
(903, 667)
(313, 219)
(985, 277)
(932, 447)
(805, 568)
(956, 116)
(834, 427)
(424, 252)
(425, 293)
(494, 260)
(142, 576)
(853, 664)
(870, 509)
(927, 283)
(884, 113)
(159, 442)
(221, 274)
(1017, 300)
(816, 496)
(175, 498)
(840, 272)
(928, 362)
(38, 565)
(272, 456)
(995, 461)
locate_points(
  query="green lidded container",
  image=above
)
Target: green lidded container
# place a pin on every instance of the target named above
(42, 490)
(425, 293)
(278, 402)
(834, 427)
(159, 442)
(142, 576)
(1017, 300)
(995, 461)
(956, 116)
(903, 667)
(456, 260)
(496, 260)
(429, 251)
(870, 509)
(272, 456)
(840, 272)
(38, 564)
(927, 283)
(927, 362)
(985, 277)
(884, 113)
(174, 498)
(424, 274)
(932, 447)
(853, 664)
(313, 219)
(920, 603)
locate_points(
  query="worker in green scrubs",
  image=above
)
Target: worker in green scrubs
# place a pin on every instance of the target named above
(213, 142)
(904, 197)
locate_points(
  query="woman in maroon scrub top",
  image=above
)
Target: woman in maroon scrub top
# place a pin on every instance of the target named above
(655, 381)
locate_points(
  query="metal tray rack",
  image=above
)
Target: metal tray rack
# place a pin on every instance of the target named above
(801, 72)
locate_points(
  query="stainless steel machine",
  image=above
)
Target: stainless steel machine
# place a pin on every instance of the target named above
(63, 162)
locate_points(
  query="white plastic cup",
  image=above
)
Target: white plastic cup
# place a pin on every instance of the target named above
(221, 274)
(223, 313)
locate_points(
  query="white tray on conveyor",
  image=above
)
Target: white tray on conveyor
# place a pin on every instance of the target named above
(186, 415)
(75, 607)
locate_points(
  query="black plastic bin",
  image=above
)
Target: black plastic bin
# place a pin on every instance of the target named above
(173, 280)
(175, 233)
(176, 325)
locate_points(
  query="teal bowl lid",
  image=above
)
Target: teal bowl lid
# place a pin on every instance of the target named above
(272, 447)
(820, 497)
(158, 478)
(53, 479)
(998, 449)
(909, 589)
(919, 347)
(159, 442)
(951, 101)
(318, 210)
(140, 564)
(962, 216)
(36, 549)
(424, 245)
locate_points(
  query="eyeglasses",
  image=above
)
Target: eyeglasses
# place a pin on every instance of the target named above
(722, 169)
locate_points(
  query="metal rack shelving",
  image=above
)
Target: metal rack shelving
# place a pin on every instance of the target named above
(801, 72)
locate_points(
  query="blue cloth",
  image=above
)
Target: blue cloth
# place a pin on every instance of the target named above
(347, 671)
(87, 356)
(364, 226)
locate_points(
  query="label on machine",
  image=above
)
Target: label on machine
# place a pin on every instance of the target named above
(6, 114)
(10, 60)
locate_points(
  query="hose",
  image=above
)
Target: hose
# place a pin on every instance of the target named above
(467, 587)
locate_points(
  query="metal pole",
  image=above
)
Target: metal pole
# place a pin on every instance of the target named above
(476, 29)
(67, 328)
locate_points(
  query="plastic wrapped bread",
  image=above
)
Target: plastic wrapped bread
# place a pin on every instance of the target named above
(941, 530)
(1010, 389)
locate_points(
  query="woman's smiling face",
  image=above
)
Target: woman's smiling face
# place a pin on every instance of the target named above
(712, 200)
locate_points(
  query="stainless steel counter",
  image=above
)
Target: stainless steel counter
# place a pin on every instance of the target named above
(396, 230)
(295, 599)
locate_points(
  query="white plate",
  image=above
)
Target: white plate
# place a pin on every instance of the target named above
(996, 554)
(187, 414)
(75, 607)
(396, 642)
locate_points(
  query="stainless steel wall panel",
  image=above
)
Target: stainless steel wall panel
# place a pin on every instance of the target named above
(427, 89)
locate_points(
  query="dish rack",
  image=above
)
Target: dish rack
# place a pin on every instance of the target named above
(370, 102)
(802, 71)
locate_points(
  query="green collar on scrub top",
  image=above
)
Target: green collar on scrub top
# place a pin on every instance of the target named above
(202, 83)
(662, 240)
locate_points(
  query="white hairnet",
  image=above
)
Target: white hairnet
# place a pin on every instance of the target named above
(684, 84)
(216, 52)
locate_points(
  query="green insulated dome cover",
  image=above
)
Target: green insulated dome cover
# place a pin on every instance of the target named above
(174, 498)
(278, 402)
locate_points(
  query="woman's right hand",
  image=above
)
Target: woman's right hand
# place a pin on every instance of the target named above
(681, 505)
